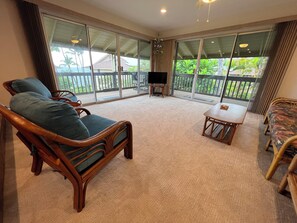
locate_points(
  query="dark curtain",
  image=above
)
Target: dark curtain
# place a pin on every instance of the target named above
(283, 48)
(37, 42)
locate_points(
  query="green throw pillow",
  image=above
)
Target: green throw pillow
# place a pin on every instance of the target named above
(31, 84)
(55, 116)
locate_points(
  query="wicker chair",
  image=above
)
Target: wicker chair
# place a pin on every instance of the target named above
(35, 85)
(281, 120)
(75, 147)
(290, 179)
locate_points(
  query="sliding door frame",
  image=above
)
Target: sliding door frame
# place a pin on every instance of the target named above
(201, 44)
(118, 53)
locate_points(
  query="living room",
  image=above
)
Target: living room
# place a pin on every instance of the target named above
(164, 147)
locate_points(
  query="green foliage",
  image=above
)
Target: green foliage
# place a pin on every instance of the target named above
(145, 65)
(185, 66)
(240, 66)
(246, 66)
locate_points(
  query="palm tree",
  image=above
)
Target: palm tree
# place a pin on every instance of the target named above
(68, 61)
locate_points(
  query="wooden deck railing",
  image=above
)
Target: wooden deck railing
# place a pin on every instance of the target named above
(239, 88)
(81, 83)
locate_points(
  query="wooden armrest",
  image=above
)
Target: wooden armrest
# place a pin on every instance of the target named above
(68, 101)
(81, 110)
(293, 164)
(58, 93)
(292, 182)
(284, 100)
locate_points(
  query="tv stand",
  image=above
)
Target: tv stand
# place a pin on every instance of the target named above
(154, 86)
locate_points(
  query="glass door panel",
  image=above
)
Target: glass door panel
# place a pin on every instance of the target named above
(249, 60)
(104, 64)
(214, 63)
(185, 68)
(129, 66)
(70, 56)
(144, 66)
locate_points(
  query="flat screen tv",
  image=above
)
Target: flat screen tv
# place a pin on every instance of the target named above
(157, 77)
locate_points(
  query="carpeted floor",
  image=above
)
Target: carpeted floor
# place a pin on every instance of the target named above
(176, 175)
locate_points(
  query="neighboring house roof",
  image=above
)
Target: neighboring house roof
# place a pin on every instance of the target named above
(107, 63)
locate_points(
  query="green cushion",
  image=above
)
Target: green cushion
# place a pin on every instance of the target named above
(31, 84)
(96, 124)
(85, 165)
(55, 116)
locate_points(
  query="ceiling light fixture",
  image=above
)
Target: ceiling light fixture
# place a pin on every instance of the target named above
(208, 1)
(158, 45)
(243, 45)
(163, 11)
(200, 3)
(75, 40)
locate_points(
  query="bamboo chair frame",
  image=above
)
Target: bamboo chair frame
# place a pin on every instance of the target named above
(290, 179)
(278, 157)
(45, 147)
(58, 95)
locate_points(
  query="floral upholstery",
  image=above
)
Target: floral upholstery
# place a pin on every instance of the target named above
(283, 124)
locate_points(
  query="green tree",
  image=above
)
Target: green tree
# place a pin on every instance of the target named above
(185, 66)
(68, 61)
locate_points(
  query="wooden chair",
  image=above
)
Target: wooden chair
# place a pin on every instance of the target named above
(79, 160)
(290, 179)
(24, 85)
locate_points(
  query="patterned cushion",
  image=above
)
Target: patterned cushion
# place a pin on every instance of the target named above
(283, 125)
(31, 84)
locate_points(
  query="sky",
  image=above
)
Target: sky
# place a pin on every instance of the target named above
(58, 58)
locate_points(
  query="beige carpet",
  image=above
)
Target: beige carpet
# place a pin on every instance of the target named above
(176, 175)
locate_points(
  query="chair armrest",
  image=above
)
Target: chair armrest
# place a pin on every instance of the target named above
(284, 100)
(81, 110)
(293, 164)
(61, 93)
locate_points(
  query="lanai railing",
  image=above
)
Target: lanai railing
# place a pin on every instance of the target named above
(81, 83)
(239, 88)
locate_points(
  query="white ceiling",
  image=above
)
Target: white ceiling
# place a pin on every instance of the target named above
(181, 15)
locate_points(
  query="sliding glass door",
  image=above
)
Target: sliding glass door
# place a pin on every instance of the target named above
(68, 44)
(104, 64)
(185, 68)
(249, 60)
(230, 67)
(129, 66)
(95, 64)
(144, 66)
(213, 68)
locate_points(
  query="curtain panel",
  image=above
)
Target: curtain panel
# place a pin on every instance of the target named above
(37, 42)
(283, 49)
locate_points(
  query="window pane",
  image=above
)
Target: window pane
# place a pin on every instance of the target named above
(104, 59)
(70, 56)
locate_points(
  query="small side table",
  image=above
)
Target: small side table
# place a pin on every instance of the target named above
(154, 86)
(221, 124)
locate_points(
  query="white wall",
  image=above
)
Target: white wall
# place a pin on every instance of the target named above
(15, 58)
(289, 84)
